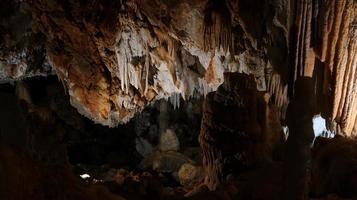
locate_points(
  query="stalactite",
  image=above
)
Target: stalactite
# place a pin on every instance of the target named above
(147, 68)
(204, 88)
(217, 26)
(175, 100)
(121, 69)
(132, 47)
(126, 49)
(303, 54)
(279, 92)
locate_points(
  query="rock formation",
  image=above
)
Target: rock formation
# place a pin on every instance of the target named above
(323, 47)
(115, 58)
(300, 112)
(333, 167)
(237, 129)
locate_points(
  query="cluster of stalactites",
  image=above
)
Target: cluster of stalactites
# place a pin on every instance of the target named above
(141, 56)
(217, 26)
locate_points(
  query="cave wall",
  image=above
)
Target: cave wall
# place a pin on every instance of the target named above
(323, 46)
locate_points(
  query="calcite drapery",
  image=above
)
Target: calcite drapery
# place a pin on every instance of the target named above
(324, 47)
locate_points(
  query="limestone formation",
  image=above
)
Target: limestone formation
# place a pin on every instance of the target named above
(116, 57)
(237, 129)
(115, 64)
(297, 159)
(324, 47)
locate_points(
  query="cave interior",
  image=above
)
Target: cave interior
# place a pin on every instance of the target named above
(168, 99)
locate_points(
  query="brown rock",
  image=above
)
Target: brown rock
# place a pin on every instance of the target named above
(236, 130)
(334, 167)
(190, 175)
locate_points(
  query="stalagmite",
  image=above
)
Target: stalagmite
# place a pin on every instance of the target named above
(300, 112)
(237, 129)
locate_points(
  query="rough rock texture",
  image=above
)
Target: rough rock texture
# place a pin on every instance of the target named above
(237, 130)
(263, 183)
(170, 161)
(116, 57)
(323, 46)
(190, 175)
(169, 141)
(334, 167)
(22, 50)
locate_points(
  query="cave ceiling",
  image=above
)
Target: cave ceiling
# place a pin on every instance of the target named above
(116, 57)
